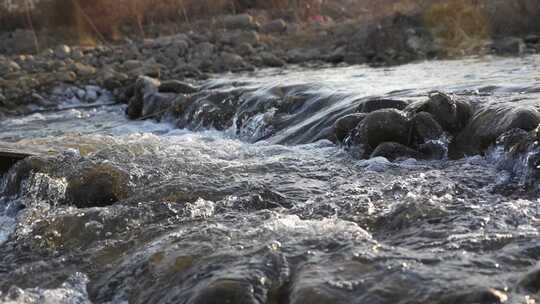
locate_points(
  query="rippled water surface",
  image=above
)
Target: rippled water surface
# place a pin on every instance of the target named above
(253, 216)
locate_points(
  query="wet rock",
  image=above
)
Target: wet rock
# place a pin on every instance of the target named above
(77, 54)
(9, 66)
(393, 151)
(433, 150)
(226, 291)
(532, 39)
(509, 46)
(425, 128)
(66, 76)
(240, 37)
(511, 138)
(156, 104)
(271, 60)
(83, 69)
(177, 49)
(520, 156)
(482, 296)
(21, 170)
(531, 281)
(242, 21)
(97, 186)
(452, 115)
(245, 49)
(372, 105)
(488, 124)
(150, 69)
(204, 50)
(346, 124)
(387, 125)
(132, 64)
(62, 52)
(143, 89)
(275, 26)
(231, 61)
(176, 86)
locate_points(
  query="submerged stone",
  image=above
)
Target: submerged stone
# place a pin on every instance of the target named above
(97, 186)
(226, 291)
(378, 104)
(176, 86)
(425, 127)
(393, 151)
(450, 113)
(144, 87)
(387, 125)
(344, 125)
(488, 124)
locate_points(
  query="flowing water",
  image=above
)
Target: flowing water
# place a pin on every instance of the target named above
(266, 213)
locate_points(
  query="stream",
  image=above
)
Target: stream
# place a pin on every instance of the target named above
(264, 208)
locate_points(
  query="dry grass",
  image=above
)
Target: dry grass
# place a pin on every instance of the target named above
(455, 21)
(458, 24)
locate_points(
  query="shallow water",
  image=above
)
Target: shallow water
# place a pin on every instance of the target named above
(251, 214)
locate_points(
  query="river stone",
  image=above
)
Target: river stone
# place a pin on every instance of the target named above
(479, 296)
(512, 138)
(387, 125)
(425, 128)
(204, 50)
(66, 76)
(231, 61)
(271, 60)
(97, 186)
(393, 151)
(275, 26)
(433, 150)
(176, 86)
(225, 291)
(531, 281)
(245, 49)
(62, 52)
(83, 69)
(372, 105)
(345, 124)
(451, 114)
(143, 89)
(509, 46)
(241, 21)
(157, 103)
(521, 155)
(488, 124)
(22, 170)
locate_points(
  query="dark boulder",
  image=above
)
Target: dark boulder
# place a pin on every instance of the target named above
(387, 125)
(477, 296)
(531, 281)
(225, 291)
(451, 114)
(97, 186)
(425, 128)
(511, 139)
(393, 151)
(21, 170)
(488, 124)
(144, 87)
(509, 46)
(433, 150)
(520, 155)
(344, 125)
(372, 105)
(176, 86)
(157, 104)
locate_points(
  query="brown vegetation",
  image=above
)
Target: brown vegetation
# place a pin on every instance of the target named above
(455, 21)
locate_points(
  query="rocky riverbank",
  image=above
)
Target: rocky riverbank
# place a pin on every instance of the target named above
(236, 43)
